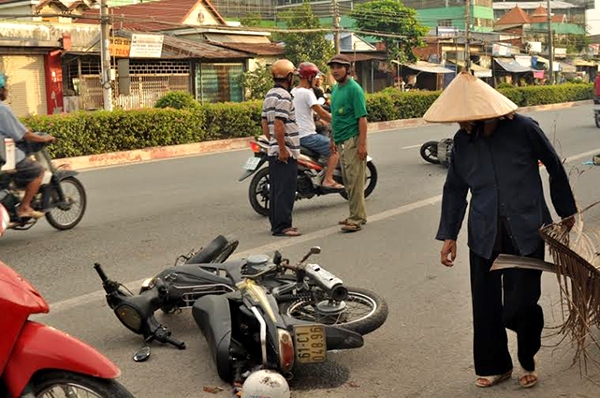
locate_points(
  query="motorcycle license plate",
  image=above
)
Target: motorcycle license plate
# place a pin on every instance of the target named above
(252, 163)
(310, 343)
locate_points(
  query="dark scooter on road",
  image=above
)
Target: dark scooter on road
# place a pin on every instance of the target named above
(437, 152)
(254, 312)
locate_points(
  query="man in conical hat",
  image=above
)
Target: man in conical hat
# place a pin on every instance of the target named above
(496, 156)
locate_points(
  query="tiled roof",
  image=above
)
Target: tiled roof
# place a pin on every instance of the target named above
(154, 15)
(540, 11)
(253, 48)
(516, 16)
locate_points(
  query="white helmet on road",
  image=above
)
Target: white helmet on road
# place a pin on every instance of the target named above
(265, 384)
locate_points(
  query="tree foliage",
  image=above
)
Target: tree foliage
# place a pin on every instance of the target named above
(257, 83)
(392, 17)
(252, 19)
(309, 46)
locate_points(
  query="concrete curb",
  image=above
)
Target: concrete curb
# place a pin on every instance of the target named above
(208, 147)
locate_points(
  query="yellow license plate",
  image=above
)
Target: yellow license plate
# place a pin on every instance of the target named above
(310, 343)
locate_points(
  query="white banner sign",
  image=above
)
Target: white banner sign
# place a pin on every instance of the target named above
(146, 46)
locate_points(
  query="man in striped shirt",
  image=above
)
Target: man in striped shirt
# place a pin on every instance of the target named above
(279, 126)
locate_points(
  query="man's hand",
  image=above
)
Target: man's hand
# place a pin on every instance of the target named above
(49, 138)
(284, 155)
(361, 152)
(448, 252)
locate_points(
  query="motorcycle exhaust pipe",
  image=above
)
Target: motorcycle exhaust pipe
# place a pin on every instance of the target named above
(326, 280)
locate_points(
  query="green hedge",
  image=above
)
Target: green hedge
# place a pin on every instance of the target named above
(88, 133)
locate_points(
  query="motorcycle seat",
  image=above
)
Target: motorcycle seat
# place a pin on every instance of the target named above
(310, 153)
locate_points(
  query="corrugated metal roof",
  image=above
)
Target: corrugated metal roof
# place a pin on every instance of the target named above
(253, 48)
(181, 48)
(512, 66)
(423, 66)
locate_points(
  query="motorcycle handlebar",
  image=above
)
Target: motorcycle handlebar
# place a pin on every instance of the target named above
(326, 280)
(100, 272)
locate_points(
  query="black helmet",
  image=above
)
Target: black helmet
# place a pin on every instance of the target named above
(340, 59)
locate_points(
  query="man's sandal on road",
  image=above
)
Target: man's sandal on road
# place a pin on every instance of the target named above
(292, 231)
(490, 381)
(351, 227)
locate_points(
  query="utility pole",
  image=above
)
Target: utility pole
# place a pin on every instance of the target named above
(467, 35)
(105, 79)
(550, 46)
(336, 26)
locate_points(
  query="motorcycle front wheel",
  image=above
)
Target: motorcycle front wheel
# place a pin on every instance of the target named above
(370, 181)
(57, 384)
(259, 191)
(362, 312)
(429, 152)
(597, 119)
(67, 214)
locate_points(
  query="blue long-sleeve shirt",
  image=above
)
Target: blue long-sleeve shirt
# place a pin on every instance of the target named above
(502, 173)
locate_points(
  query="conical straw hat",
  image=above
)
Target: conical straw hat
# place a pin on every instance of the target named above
(466, 99)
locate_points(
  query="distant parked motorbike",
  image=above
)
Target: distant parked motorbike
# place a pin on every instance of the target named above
(254, 312)
(61, 196)
(40, 361)
(437, 152)
(311, 171)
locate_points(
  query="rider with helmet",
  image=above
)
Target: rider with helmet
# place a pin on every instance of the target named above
(279, 126)
(306, 103)
(29, 173)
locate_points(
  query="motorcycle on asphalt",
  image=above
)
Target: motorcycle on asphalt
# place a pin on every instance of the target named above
(38, 361)
(597, 111)
(311, 171)
(437, 152)
(61, 196)
(255, 312)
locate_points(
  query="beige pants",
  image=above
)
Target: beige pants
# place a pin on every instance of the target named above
(353, 173)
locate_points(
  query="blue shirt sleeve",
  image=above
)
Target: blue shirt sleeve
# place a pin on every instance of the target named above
(10, 126)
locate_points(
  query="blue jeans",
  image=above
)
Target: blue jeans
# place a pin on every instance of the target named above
(318, 143)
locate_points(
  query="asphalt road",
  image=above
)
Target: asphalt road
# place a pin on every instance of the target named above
(141, 217)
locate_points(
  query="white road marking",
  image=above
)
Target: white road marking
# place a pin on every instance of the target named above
(74, 302)
(411, 146)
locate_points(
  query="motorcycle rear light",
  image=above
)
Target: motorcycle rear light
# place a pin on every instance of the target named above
(254, 146)
(286, 351)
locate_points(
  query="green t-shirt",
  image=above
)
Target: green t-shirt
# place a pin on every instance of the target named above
(348, 104)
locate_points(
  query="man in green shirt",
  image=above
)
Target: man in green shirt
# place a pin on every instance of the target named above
(349, 125)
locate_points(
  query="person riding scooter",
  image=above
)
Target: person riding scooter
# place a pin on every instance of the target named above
(29, 173)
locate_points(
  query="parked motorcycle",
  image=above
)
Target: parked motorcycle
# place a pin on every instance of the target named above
(255, 311)
(311, 171)
(40, 361)
(61, 196)
(597, 111)
(437, 152)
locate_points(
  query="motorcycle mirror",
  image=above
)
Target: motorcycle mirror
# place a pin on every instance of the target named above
(142, 355)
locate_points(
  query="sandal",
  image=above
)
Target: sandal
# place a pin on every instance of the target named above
(334, 187)
(490, 381)
(351, 227)
(292, 231)
(532, 375)
(346, 222)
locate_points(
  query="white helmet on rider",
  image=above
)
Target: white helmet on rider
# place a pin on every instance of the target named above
(4, 220)
(265, 384)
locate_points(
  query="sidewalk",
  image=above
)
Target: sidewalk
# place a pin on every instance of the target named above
(207, 147)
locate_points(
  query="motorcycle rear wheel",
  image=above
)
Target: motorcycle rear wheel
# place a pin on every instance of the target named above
(259, 191)
(429, 152)
(370, 181)
(68, 217)
(56, 384)
(597, 119)
(377, 311)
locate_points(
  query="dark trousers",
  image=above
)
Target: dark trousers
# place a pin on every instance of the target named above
(505, 299)
(282, 193)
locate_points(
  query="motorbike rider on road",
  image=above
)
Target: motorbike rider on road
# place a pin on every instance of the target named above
(305, 103)
(29, 173)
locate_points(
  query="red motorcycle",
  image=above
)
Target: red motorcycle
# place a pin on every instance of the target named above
(39, 361)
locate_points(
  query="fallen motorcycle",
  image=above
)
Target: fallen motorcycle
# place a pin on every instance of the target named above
(311, 171)
(61, 196)
(255, 311)
(40, 361)
(437, 152)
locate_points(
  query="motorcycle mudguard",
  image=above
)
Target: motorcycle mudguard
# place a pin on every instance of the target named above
(62, 174)
(42, 347)
(213, 316)
(248, 173)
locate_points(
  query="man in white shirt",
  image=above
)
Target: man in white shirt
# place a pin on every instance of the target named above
(306, 103)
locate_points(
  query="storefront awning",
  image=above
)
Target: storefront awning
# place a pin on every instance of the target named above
(477, 70)
(512, 66)
(426, 67)
(568, 68)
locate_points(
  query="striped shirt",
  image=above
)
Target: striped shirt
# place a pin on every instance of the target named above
(278, 104)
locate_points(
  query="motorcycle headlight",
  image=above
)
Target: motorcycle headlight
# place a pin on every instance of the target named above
(130, 317)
